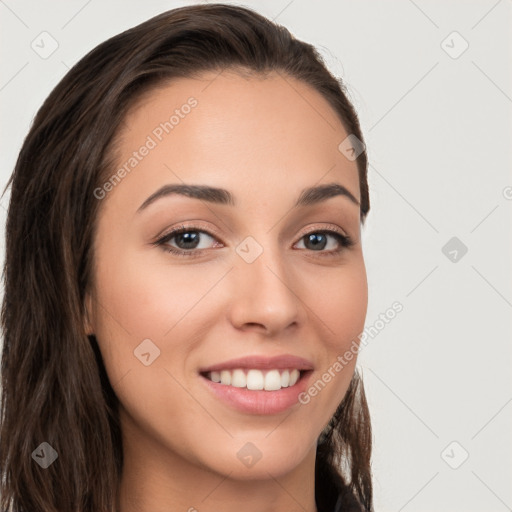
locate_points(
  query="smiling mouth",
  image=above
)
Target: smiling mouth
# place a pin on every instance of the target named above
(255, 379)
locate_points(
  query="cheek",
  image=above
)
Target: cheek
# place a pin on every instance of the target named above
(137, 301)
(131, 306)
(148, 300)
(340, 300)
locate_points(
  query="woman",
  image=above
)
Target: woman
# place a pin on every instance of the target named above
(184, 279)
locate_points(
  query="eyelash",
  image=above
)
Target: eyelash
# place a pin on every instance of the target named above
(345, 241)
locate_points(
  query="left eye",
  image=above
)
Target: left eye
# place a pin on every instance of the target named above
(319, 239)
(188, 238)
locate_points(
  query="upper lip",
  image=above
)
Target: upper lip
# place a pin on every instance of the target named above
(283, 361)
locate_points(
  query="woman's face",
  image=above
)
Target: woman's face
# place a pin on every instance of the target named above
(260, 277)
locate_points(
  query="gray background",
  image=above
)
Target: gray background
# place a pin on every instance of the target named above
(437, 122)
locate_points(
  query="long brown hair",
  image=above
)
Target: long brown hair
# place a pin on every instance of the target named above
(54, 385)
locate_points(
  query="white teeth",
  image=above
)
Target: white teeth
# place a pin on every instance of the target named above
(238, 379)
(272, 380)
(225, 377)
(285, 379)
(294, 377)
(257, 380)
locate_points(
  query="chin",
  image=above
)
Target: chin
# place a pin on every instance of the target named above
(256, 461)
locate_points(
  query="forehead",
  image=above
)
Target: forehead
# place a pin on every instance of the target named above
(236, 131)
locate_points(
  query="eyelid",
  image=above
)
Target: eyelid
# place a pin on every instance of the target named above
(321, 227)
(189, 224)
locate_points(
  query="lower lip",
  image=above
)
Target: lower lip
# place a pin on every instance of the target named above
(259, 402)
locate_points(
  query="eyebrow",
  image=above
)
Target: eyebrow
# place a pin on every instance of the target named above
(309, 196)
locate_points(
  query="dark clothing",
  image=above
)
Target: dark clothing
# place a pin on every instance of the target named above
(332, 494)
(337, 498)
(347, 504)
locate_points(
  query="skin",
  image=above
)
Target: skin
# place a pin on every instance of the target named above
(263, 139)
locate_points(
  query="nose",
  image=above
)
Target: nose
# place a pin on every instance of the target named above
(266, 296)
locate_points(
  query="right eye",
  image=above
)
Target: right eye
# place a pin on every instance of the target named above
(187, 236)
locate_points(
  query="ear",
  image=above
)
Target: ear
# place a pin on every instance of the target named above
(88, 315)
